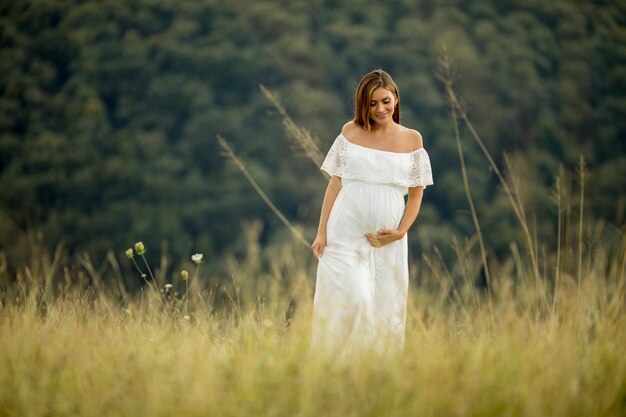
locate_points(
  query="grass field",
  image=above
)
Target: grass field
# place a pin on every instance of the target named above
(554, 349)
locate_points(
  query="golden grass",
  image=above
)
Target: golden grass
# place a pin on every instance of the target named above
(80, 353)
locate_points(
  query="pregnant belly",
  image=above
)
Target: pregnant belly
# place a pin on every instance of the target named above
(365, 208)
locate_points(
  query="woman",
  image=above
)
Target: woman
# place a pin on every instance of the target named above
(362, 276)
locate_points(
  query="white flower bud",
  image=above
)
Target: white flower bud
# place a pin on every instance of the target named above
(139, 248)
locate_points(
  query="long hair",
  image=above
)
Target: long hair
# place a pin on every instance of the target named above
(370, 82)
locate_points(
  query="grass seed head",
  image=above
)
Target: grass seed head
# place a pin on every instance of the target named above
(139, 248)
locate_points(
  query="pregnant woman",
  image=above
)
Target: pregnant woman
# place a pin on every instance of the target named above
(362, 276)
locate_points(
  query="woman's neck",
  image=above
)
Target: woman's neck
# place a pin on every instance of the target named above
(384, 128)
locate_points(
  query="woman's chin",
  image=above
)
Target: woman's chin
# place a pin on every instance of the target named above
(382, 121)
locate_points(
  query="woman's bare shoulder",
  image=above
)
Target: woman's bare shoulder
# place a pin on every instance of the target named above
(350, 127)
(414, 138)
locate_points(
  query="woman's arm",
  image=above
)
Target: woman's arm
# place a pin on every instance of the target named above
(412, 208)
(334, 186)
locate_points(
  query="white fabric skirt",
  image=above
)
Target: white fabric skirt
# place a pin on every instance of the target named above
(361, 291)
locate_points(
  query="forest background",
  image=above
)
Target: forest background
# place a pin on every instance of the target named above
(109, 112)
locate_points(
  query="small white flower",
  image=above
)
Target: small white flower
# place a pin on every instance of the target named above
(184, 274)
(197, 258)
(168, 286)
(130, 253)
(187, 318)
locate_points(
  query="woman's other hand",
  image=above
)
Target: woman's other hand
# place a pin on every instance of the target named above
(384, 237)
(318, 245)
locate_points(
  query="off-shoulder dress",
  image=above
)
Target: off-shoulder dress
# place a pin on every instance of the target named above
(361, 291)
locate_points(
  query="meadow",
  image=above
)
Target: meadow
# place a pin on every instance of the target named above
(71, 345)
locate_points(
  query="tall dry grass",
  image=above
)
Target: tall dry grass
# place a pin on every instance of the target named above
(88, 353)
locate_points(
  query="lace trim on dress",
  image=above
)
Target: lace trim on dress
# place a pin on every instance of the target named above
(420, 173)
(335, 161)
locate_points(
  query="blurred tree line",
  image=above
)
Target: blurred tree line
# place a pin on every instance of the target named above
(109, 112)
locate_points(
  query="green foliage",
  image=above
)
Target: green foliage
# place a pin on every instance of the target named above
(109, 111)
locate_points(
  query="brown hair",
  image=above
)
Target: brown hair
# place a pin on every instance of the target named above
(370, 82)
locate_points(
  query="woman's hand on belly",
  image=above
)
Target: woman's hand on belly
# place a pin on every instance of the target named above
(384, 237)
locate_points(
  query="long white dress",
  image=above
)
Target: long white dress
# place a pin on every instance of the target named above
(361, 291)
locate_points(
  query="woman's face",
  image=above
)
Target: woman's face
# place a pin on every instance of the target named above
(382, 106)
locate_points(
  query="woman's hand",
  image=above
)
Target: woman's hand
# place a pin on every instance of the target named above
(318, 245)
(384, 237)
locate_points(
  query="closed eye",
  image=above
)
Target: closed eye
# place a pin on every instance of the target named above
(385, 101)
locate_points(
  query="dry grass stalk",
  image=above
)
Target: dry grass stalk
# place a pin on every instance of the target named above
(302, 137)
(446, 77)
(515, 202)
(242, 167)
